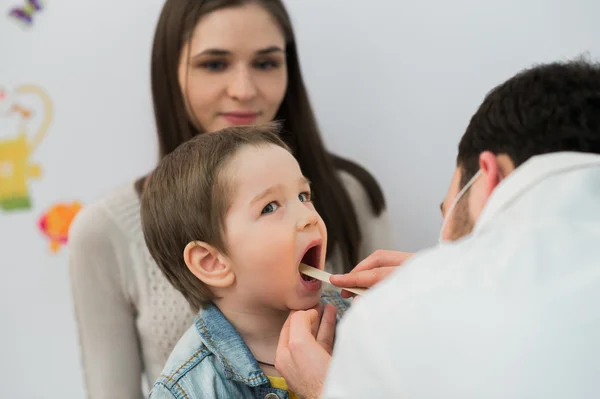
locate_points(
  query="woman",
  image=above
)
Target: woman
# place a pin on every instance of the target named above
(214, 64)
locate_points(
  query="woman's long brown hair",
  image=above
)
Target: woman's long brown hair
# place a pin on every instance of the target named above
(175, 26)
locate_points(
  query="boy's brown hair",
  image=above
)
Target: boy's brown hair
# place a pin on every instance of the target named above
(186, 199)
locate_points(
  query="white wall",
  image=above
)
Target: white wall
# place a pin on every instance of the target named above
(393, 84)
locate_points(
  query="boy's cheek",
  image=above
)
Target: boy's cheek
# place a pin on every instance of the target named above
(324, 244)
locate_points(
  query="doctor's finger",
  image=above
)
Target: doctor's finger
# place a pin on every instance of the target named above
(382, 258)
(315, 324)
(325, 336)
(362, 279)
(300, 330)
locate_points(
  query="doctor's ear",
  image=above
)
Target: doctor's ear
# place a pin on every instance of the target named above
(491, 172)
(208, 264)
(495, 168)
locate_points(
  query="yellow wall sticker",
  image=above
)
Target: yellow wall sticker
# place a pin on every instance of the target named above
(16, 148)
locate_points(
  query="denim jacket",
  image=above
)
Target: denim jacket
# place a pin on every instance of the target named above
(212, 361)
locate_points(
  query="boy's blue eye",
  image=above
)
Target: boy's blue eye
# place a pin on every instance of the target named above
(304, 197)
(270, 208)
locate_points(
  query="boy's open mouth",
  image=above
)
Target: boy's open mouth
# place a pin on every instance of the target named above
(311, 257)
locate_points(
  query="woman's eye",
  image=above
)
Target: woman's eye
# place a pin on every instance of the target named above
(270, 208)
(266, 65)
(213, 66)
(304, 197)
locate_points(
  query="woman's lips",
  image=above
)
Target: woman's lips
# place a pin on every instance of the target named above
(240, 118)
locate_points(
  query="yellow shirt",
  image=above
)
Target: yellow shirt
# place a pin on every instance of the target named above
(279, 383)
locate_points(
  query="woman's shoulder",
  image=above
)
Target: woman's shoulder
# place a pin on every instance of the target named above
(115, 213)
(354, 187)
(361, 185)
(99, 244)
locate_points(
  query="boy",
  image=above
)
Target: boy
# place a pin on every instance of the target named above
(235, 204)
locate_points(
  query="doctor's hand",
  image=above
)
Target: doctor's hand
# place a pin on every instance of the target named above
(375, 268)
(304, 350)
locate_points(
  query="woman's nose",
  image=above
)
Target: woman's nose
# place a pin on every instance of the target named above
(242, 87)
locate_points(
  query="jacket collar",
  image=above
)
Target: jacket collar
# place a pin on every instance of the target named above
(529, 174)
(222, 339)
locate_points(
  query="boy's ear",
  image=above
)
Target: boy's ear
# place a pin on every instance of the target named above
(208, 264)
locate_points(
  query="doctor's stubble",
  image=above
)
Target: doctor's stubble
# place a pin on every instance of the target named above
(461, 223)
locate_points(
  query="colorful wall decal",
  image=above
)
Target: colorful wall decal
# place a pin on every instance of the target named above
(25, 13)
(15, 151)
(55, 223)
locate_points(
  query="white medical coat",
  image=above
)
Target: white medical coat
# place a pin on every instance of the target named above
(512, 311)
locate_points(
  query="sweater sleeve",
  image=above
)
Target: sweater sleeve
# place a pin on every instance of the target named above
(376, 230)
(105, 316)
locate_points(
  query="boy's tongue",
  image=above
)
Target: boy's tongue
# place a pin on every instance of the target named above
(306, 278)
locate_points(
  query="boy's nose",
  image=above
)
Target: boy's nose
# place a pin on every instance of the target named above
(309, 218)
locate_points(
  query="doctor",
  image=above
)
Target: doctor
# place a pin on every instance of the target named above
(509, 305)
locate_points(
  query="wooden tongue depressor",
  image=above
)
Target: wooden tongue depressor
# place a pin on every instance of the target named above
(324, 276)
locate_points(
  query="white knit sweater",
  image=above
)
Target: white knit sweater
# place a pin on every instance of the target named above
(129, 316)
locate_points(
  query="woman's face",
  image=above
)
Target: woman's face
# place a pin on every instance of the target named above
(233, 71)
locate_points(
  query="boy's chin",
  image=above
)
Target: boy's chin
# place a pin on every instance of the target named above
(305, 303)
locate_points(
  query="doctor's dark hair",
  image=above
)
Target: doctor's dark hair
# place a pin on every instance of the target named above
(300, 131)
(187, 197)
(547, 108)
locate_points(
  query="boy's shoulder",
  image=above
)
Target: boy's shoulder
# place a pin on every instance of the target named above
(189, 357)
(209, 361)
(333, 297)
